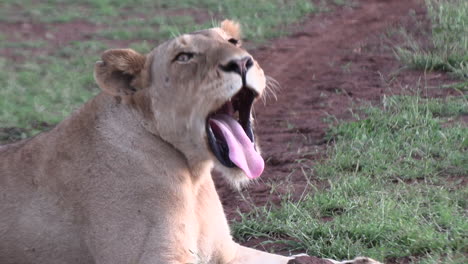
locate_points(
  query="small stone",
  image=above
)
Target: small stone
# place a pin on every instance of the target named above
(49, 35)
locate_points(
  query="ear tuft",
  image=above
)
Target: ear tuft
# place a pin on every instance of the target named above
(232, 28)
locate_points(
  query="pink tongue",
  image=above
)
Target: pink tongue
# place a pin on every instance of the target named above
(241, 149)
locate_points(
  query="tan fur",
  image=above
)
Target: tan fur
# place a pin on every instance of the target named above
(130, 182)
(120, 72)
(232, 28)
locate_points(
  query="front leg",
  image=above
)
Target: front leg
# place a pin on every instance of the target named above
(245, 255)
(308, 260)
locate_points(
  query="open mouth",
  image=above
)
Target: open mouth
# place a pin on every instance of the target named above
(230, 134)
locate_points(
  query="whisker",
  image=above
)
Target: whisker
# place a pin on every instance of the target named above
(272, 87)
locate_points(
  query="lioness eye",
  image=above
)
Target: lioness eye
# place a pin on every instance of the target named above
(233, 41)
(184, 56)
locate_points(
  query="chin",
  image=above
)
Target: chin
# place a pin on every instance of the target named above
(234, 176)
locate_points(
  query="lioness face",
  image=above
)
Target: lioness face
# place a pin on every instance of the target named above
(202, 87)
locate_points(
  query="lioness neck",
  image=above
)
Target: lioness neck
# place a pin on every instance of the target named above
(116, 131)
(101, 157)
(127, 128)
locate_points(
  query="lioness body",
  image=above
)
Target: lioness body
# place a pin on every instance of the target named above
(127, 177)
(59, 203)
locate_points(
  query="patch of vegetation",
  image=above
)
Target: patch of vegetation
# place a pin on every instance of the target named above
(394, 177)
(23, 45)
(449, 37)
(406, 140)
(33, 95)
(157, 29)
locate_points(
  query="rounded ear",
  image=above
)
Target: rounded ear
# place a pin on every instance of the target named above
(120, 72)
(233, 28)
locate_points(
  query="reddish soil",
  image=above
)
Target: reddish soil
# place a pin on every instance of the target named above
(55, 35)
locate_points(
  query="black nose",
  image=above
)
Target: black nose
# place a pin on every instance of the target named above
(240, 66)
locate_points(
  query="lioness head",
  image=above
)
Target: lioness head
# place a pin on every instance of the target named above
(196, 92)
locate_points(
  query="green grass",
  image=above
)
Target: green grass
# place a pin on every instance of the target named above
(45, 90)
(449, 40)
(23, 45)
(393, 146)
(394, 178)
(157, 29)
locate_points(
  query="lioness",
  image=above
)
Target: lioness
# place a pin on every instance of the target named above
(127, 177)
